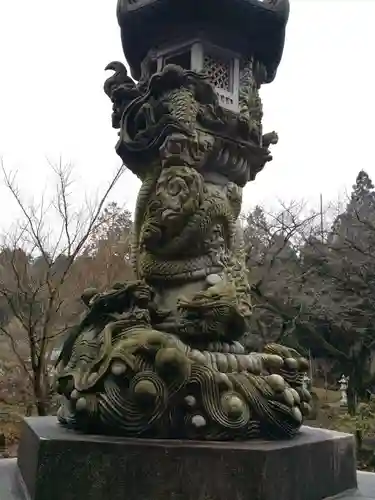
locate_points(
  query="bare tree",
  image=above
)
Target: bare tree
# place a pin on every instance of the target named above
(273, 258)
(106, 259)
(37, 286)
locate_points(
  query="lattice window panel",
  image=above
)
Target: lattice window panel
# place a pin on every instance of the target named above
(219, 72)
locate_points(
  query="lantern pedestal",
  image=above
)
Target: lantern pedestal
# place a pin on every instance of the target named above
(55, 462)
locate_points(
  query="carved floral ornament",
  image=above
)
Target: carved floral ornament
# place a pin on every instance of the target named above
(162, 356)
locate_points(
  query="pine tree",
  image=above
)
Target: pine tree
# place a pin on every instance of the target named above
(363, 191)
(356, 225)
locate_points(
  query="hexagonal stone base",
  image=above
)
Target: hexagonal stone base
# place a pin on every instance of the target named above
(60, 464)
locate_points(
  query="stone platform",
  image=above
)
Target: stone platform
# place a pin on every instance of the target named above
(9, 489)
(59, 464)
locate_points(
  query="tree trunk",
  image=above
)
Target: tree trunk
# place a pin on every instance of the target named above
(356, 387)
(41, 402)
(352, 391)
(352, 399)
(29, 410)
(41, 408)
(359, 439)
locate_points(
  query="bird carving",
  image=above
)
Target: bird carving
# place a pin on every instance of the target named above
(120, 78)
(121, 89)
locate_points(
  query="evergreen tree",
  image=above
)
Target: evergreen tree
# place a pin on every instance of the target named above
(355, 227)
(363, 191)
(343, 307)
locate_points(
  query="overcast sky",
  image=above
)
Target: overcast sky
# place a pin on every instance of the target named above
(52, 59)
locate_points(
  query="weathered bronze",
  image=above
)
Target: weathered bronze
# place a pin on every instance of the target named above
(162, 356)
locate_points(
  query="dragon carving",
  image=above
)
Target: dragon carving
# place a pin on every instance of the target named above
(162, 356)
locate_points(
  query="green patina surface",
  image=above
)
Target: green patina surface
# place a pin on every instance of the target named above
(162, 356)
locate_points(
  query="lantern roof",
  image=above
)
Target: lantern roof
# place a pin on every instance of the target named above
(251, 28)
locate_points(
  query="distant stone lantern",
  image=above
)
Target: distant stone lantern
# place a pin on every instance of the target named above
(344, 383)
